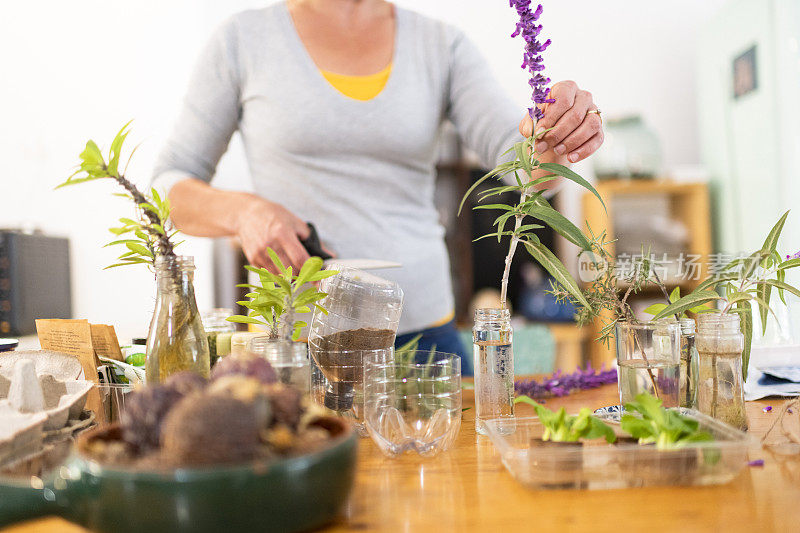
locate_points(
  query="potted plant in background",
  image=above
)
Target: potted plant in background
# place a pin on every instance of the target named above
(176, 340)
(724, 337)
(492, 334)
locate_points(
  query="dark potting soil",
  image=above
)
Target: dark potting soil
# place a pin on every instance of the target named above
(338, 354)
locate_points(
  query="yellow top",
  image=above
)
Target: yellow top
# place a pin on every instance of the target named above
(359, 87)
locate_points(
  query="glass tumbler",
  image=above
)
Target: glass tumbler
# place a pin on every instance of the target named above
(413, 403)
(289, 359)
(648, 356)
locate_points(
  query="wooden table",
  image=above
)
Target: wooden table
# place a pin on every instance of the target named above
(468, 489)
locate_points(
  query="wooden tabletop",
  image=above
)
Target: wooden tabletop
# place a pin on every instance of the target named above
(468, 489)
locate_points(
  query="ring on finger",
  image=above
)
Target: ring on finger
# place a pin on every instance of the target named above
(597, 112)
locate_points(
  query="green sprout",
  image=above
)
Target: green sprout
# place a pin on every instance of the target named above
(280, 296)
(561, 427)
(667, 428)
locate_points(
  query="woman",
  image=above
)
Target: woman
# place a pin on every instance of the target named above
(339, 103)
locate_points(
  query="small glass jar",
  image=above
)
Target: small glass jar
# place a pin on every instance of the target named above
(492, 338)
(219, 332)
(289, 359)
(720, 388)
(648, 356)
(177, 340)
(687, 396)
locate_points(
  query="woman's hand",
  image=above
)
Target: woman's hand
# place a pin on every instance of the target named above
(261, 224)
(576, 133)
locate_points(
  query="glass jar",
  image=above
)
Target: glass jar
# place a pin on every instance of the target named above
(648, 356)
(720, 387)
(288, 358)
(177, 340)
(492, 338)
(687, 396)
(219, 332)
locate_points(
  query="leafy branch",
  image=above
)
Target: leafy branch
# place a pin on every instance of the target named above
(279, 297)
(532, 205)
(146, 238)
(744, 281)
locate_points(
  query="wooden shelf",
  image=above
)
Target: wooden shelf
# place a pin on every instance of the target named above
(688, 203)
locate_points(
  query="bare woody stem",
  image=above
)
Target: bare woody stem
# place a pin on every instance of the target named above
(165, 247)
(512, 248)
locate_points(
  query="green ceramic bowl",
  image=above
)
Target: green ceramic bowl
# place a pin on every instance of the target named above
(295, 494)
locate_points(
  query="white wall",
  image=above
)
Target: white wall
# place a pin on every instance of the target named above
(80, 69)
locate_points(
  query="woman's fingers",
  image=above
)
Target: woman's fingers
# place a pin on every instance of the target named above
(587, 129)
(526, 126)
(587, 148)
(570, 120)
(564, 93)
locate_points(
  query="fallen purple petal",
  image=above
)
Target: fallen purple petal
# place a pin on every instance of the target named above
(767, 409)
(757, 462)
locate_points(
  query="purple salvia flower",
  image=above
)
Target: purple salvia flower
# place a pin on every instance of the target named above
(795, 255)
(532, 58)
(559, 384)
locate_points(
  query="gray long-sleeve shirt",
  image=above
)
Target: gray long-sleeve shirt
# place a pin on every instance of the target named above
(361, 171)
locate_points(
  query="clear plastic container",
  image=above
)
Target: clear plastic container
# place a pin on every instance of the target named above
(414, 403)
(339, 385)
(363, 312)
(289, 359)
(596, 464)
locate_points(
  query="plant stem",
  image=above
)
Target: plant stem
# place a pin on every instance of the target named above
(165, 246)
(512, 248)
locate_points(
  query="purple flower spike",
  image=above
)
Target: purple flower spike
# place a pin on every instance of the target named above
(559, 384)
(757, 462)
(767, 409)
(532, 58)
(795, 255)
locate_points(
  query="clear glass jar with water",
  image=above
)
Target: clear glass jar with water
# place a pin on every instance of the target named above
(492, 338)
(720, 391)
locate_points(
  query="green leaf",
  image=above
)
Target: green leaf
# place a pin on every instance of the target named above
(503, 207)
(763, 290)
(309, 268)
(500, 169)
(560, 224)
(655, 308)
(746, 326)
(551, 264)
(675, 295)
(789, 263)
(783, 286)
(245, 320)
(276, 260)
(139, 249)
(693, 299)
(771, 242)
(563, 171)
